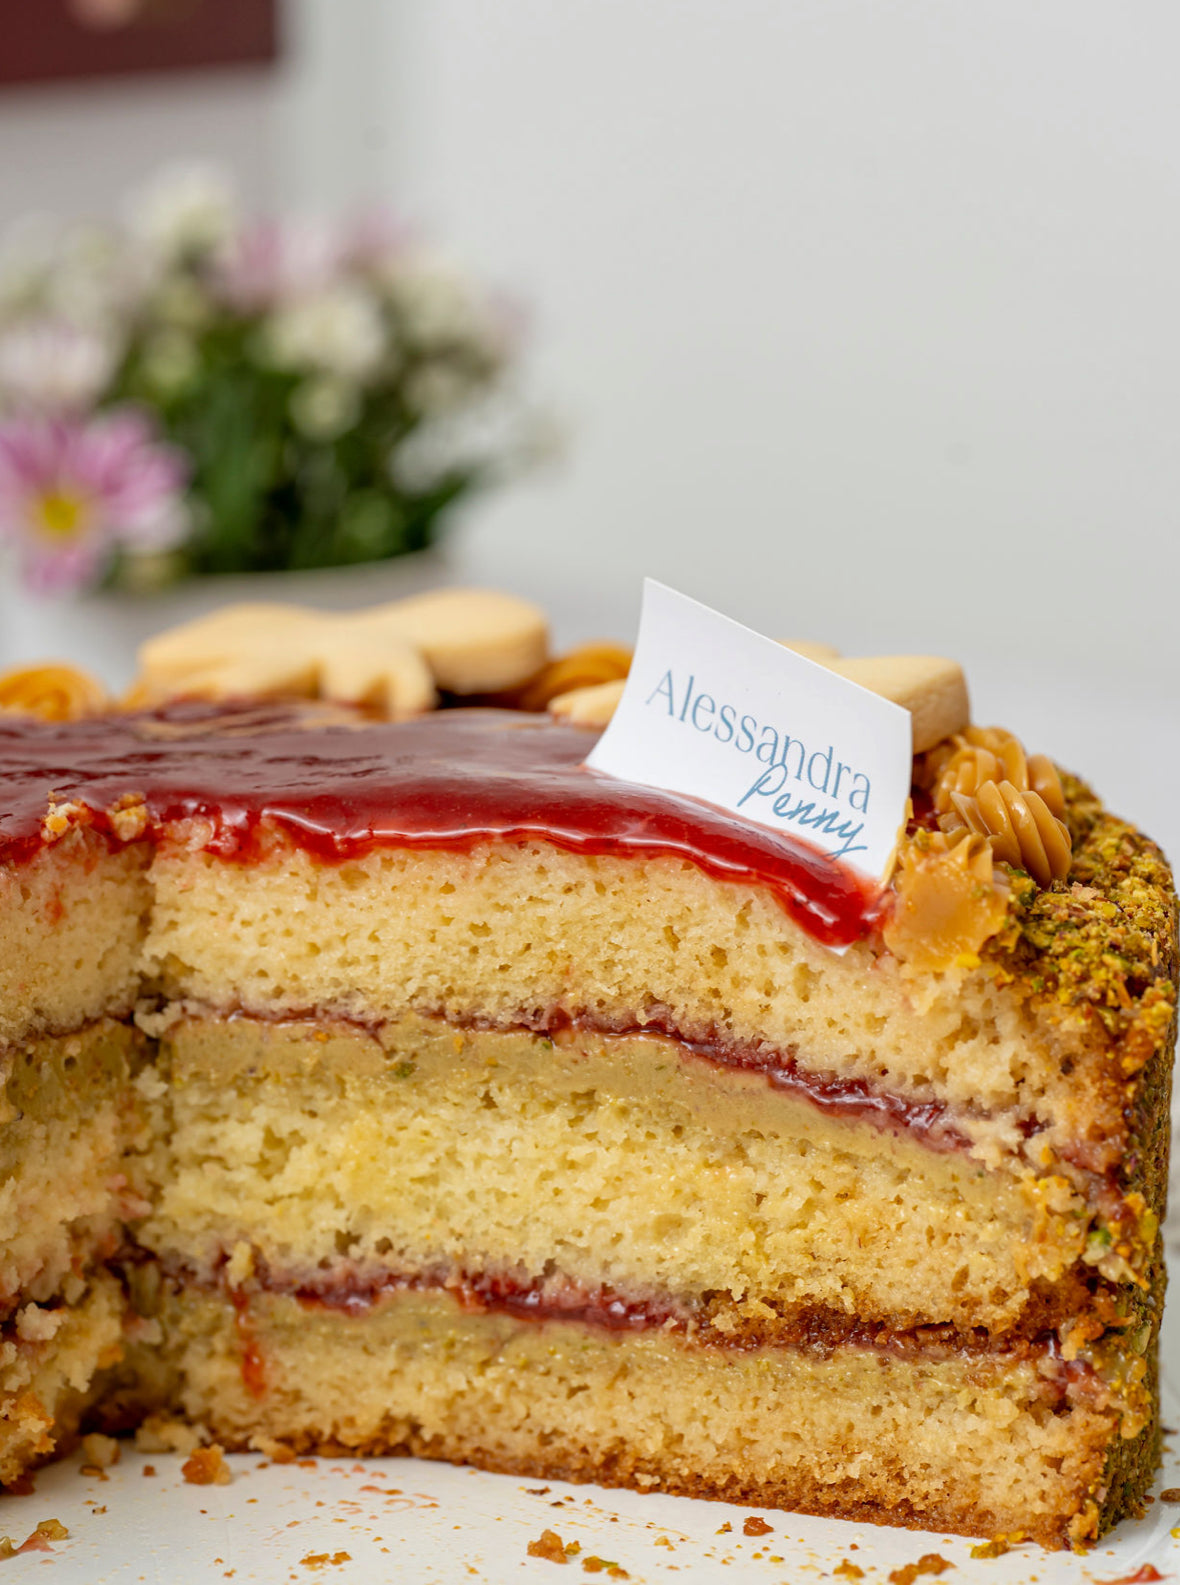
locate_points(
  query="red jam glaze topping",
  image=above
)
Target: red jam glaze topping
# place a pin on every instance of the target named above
(447, 780)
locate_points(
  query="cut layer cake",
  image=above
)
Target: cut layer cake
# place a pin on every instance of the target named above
(398, 1085)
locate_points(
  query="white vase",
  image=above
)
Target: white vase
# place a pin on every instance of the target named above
(101, 632)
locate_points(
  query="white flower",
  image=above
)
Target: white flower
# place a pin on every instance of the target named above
(95, 279)
(26, 262)
(181, 303)
(185, 211)
(337, 331)
(323, 408)
(436, 389)
(169, 361)
(424, 459)
(493, 438)
(471, 441)
(54, 366)
(82, 274)
(436, 307)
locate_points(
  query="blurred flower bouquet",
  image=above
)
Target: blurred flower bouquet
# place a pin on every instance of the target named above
(188, 393)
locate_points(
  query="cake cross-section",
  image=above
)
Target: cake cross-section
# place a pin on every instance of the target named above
(405, 1087)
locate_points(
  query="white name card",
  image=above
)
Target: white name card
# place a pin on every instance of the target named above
(715, 711)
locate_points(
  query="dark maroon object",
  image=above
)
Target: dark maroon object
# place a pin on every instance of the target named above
(54, 40)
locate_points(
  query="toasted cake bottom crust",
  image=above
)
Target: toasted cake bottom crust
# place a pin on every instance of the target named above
(971, 1445)
(326, 1155)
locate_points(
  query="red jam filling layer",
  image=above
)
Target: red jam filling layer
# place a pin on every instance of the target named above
(850, 1100)
(930, 1122)
(485, 1291)
(817, 1331)
(448, 780)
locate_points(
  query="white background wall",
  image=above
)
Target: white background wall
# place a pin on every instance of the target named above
(862, 314)
(75, 149)
(865, 318)
(863, 311)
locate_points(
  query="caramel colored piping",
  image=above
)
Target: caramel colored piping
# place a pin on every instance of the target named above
(51, 692)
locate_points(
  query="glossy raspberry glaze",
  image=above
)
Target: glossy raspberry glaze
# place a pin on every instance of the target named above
(447, 781)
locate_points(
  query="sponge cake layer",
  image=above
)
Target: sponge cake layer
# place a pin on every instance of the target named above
(326, 1153)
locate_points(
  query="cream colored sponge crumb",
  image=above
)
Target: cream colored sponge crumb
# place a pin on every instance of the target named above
(518, 931)
(71, 929)
(336, 1156)
(72, 1120)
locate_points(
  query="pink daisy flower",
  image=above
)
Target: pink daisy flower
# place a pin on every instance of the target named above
(73, 491)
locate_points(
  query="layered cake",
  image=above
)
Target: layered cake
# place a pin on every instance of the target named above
(401, 1086)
